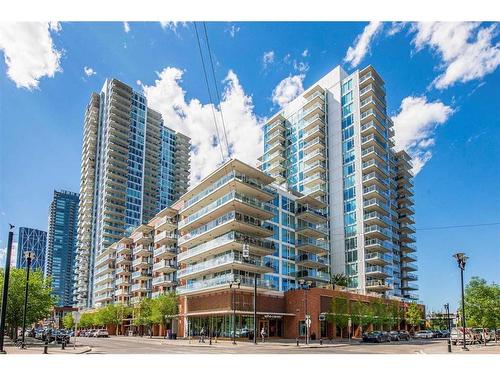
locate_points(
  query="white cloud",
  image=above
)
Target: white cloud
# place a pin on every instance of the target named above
(172, 25)
(267, 58)
(395, 28)
(287, 59)
(362, 44)
(13, 256)
(233, 30)
(194, 119)
(288, 89)
(29, 51)
(300, 66)
(415, 126)
(126, 27)
(466, 49)
(305, 53)
(89, 71)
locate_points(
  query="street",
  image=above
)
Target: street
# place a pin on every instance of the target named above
(145, 345)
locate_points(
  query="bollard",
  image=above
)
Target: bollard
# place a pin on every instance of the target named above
(297, 341)
(45, 347)
(449, 345)
(210, 341)
(63, 344)
(321, 341)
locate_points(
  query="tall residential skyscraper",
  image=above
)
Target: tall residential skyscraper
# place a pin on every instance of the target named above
(61, 245)
(132, 167)
(31, 240)
(334, 143)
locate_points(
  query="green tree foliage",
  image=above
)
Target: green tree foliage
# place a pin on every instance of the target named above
(361, 314)
(482, 304)
(339, 279)
(414, 315)
(143, 313)
(380, 313)
(164, 307)
(339, 313)
(40, 298)
(87, 320)
(68, 321)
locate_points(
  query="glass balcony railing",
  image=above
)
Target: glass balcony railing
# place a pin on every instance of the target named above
(377, 269)
(382, 256)
(379, 216)
(376, 242)
(137, 274)
(225, 259)
(164, 279)
(377, 228)
(221, 241)
(309, 241)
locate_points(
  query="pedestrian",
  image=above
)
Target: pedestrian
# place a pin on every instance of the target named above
(202, 335)
(263, 334)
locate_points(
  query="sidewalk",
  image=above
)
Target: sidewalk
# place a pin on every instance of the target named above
(37, 347)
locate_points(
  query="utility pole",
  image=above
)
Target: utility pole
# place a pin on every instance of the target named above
(3, 313)
(28, 255)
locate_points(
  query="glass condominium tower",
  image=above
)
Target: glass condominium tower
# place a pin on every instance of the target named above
(132, 167)
(334, 143)
(61, 245)
(33, 240)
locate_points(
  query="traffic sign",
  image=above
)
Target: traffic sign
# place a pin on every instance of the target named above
(76, 316)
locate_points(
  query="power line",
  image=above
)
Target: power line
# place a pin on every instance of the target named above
(216, 88)
(209, 92)
(459, 226)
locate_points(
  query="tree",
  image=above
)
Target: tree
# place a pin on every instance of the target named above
(143, 314)
(164, 307)
(122, 312)
(68, 321)
(40, 298)
(339, 313)
(482, 304)
(339, 279)
(413, 315)
(361, 314)
(380, 314)
(87, 320)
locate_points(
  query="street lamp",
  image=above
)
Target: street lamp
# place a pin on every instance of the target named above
(307, 319)
(246, 257)
(29, 256)
(235, 283)
(462, 260)
(5, 292)
(447, 309)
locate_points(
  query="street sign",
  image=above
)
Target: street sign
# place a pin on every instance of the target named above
(76, 316)
(349, 322)
(308, 321)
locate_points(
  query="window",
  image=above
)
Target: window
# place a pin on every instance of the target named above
(347, 86)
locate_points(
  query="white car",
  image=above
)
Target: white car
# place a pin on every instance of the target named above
(423, 334)
(101, 333)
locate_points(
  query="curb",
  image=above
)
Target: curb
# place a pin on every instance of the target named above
(89, 349)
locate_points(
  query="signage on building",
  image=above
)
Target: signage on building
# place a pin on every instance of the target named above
(322, 317)
(246, 251)
(272, 316)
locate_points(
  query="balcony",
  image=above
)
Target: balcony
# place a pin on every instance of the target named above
(378, 259)
(122, 293)
(408, 247)
(310, 214)
(275, 167)
(375, 178)
(315, 192)
(378, 245)
(123, 271)
(374, 166)
(317, 167)
(165, 223)
(318, 155)
(141, 275)
(409, 267)
(409, 276)
(103, 270)
(276, 137)
(222, 282)
(314, 111)
(311, 122)
(313, 275)
(276, 125)
(407, 228)
(314, 99)
(165, 266)
(122, 281)
(165, 237)
(375, 218)
(224, 243)
(142, 262)
(408, 257)
(276, 146)
(164, 280)
(377, 272)
(227, 222)
(406, 237)
(317, 131)
(105, 260)
(140, 288)
(312, 246)
(375, 204)
(313, 145)
(106, 278)
(377, 286)
(276, 157)
(404, 209)
(375, 231)
(311, 261)
(409, 286)
(373, 191)
(311, 230)
(165, 252)
(228, 261)
(141, 250)
(143, 238)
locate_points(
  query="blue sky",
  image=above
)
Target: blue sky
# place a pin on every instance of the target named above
(441, 80)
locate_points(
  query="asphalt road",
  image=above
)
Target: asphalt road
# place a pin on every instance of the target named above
(145, 345)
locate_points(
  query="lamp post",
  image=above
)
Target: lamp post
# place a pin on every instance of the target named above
(447, 309)
(3, 313)
(28, 255)
(231, 284)
(307, 319)
(246, 257)
(462, 260)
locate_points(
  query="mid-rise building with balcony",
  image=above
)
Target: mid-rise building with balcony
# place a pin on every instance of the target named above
(133, 166)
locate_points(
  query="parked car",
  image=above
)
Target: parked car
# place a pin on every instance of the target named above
(424, 334)
(394, 336)
(482, 335)
(376, 336)
(60, 336)
(456, 336)
(445, 333)
(404, 335)
(101, 333)
(436, 334)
